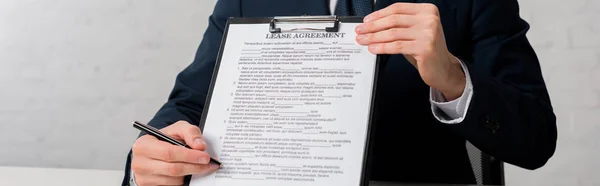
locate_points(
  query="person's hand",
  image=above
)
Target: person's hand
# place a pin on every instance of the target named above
(415, 31)
(156, 162)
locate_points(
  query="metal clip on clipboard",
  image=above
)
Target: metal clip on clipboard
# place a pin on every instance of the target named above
(305, 19)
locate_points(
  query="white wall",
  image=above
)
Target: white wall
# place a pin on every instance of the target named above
(566, 36)
(73, 74)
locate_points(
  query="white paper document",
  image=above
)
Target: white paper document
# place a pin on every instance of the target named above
(289, 108)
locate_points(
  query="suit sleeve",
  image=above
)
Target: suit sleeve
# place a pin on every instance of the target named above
(510, 115)
(186, 100)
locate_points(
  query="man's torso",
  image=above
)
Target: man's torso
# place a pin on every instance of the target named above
(409, 143)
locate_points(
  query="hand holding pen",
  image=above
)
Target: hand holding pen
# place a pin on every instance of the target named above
(161, 158)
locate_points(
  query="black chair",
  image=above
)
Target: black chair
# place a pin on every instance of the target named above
(487, 169)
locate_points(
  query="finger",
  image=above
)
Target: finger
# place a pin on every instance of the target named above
(389, 35)
(144, 174)
(146, 166)
(403, 8)
(152, 180)
(189, 133)
(395, 47)
(392, 21)
(149, 146)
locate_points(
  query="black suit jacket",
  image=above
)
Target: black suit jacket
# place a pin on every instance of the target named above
(510, 115)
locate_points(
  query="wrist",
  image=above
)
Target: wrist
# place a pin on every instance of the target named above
(456, 80)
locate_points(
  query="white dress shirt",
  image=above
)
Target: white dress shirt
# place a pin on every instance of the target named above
(454, 111)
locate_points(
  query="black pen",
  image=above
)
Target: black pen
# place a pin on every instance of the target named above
(162, 136)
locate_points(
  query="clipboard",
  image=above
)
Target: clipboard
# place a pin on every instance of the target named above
(275, 26)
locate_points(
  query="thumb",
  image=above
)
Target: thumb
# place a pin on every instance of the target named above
(182, 130)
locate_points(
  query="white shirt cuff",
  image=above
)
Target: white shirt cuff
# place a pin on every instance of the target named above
(455, 111)
(132, 179)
